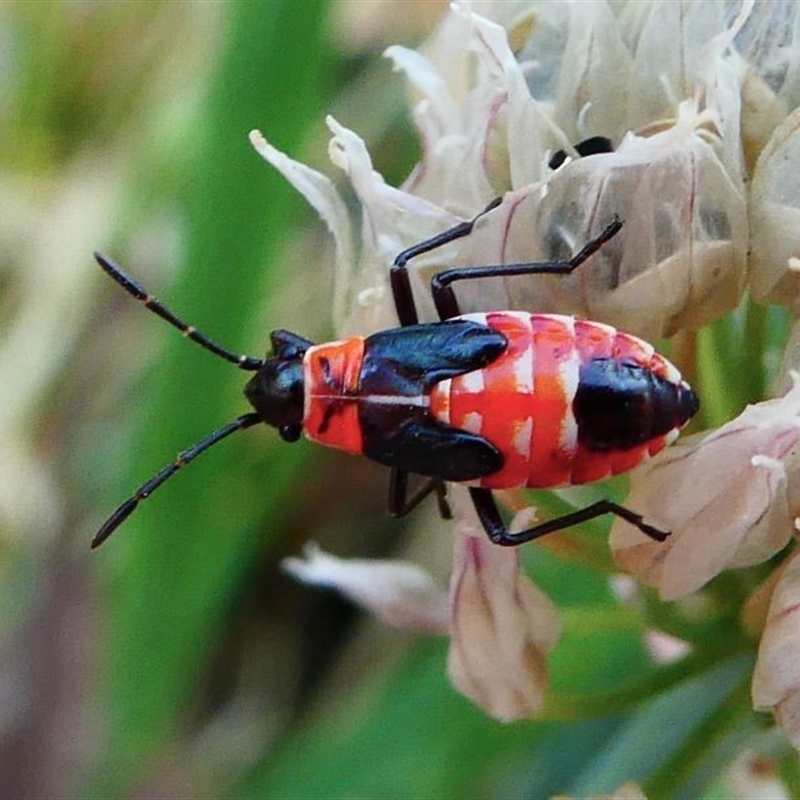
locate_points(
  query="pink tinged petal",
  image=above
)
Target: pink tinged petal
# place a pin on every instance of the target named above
(397, 592)
(681, 258)
(481, 130)
(322, 195)
(587, 102)
(502, 627)
(727, 497)
(391, 220)
(663, 74)
(773, 68)
(437, 102)
(453, 118)
(775, 216)
(776, 679)
(516, 134)
(387, 208)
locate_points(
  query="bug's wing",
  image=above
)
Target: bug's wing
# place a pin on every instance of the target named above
(408, 361)
(404, 363)
(420, 444)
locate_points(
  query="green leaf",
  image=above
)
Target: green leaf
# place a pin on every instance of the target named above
(182, 558)
(652, 745)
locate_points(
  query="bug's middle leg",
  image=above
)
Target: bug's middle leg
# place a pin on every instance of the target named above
(441, 284)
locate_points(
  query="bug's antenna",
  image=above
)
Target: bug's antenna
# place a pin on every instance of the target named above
(146, 489)
(157, 307)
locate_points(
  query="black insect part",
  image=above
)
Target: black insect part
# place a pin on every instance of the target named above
(275, 392)
(447, 307)
(592, 146)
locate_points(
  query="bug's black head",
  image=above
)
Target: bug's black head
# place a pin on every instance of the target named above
(276, 390)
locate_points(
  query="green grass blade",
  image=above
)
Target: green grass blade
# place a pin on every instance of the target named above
(184, 557)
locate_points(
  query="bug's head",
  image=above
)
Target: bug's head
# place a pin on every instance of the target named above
(276, 390)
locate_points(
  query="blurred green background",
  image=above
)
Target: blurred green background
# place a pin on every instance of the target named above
(178, 661)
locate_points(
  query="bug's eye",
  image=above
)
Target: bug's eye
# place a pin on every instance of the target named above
(290, 433)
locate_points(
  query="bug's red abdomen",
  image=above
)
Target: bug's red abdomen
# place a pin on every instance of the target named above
(332, 382)
(558, 403)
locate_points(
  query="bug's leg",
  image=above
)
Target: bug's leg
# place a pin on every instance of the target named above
(592, 146)
(399, 502)
(490, 518)
(401, 286)
(445, 299)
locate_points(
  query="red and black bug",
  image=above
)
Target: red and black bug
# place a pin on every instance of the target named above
(494, 400)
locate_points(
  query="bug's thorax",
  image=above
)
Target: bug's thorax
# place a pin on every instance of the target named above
(332, 379)
(339, 388)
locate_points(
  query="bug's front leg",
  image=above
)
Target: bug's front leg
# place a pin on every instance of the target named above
(401, 286)
(401, 504)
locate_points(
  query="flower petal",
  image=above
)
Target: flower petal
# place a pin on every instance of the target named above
(399, 593)
(323, 196)
(727, 498)
(776, 679)
(775, 216)
(502, 626)
(391, 219)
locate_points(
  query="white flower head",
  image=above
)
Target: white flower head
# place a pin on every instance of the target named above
(502, 101)
(729, 499)
(490, 118)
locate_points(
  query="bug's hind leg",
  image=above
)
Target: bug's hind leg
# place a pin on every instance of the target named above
(401, 286)
(401, 504)
(487, 511)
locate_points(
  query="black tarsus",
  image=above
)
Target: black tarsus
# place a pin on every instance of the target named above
(400, 504)
(147, 488)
